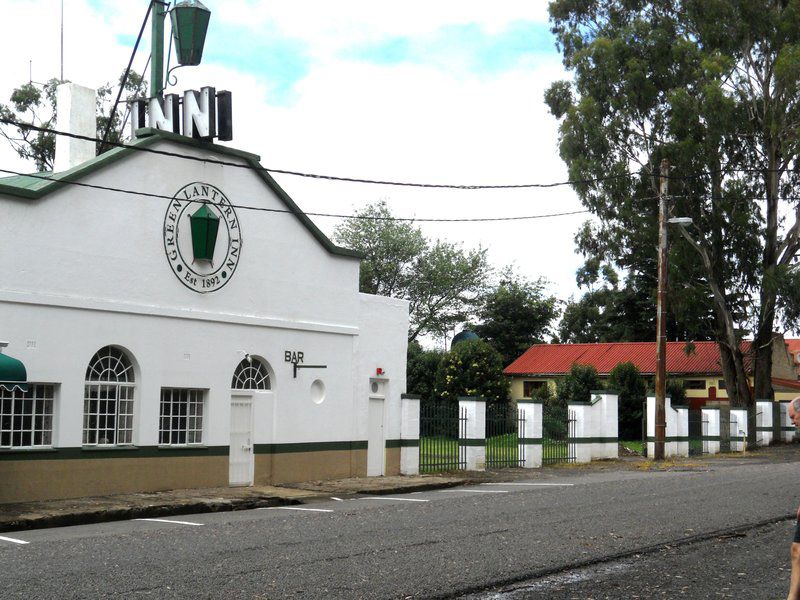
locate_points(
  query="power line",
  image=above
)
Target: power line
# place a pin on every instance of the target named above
(286, 211)
(311, 175)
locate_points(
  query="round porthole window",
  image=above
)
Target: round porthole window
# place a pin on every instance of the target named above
(318, 392)
(374, 387)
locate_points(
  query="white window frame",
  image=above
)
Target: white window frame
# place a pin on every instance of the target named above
(110, 379)
(41, 395)
(253, 375)
(177, 426)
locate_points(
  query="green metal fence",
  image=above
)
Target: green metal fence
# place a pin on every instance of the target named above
(558, 435)
(505, 425)
(442, 430)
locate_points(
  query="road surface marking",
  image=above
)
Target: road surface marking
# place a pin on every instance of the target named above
(295, 508)
(170, 521)
(534, 484)
(393, 498)
(337, 499)
(13, 540)
(474, 491)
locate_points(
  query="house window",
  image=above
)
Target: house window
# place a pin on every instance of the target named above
(181, 417)
(529, 387)
(251, 374)
(108, 399)
(721, 384)
(694, 384)
(26, 418)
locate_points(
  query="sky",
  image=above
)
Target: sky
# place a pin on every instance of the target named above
(449, 92)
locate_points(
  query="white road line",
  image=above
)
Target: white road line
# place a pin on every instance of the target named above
(171, 521)
(474, 491)
(295, 508)
(337, 499)
(13, 540)
(534, 484)
(393, 498)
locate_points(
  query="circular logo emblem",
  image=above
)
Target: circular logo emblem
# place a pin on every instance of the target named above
(202, 238)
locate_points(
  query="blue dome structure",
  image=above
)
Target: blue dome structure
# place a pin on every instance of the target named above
(464, 336)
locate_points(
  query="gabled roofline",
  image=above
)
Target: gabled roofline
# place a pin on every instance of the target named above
(28, 187)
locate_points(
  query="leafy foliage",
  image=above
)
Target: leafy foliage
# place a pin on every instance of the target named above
(472, 368)
(578, 384)
(32, 104)
(442, 282)
(628, 382)
(676, 391)
(711, 86)
(421, 369)
(515, 315)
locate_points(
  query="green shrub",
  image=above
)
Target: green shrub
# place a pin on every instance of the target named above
(472, 368)
(628, 382)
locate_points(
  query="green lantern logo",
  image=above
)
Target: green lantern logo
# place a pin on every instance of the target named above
(202, 237)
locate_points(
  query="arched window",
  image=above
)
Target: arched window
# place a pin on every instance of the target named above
(108, 399)
(251, 374)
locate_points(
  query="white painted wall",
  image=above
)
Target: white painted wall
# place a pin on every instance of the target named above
(764, 422)
(476, 430)
(738, 428)
(533, 431)
(409, 431)
(677, 427)
(711, 417)
(87, 268)
(597, 419)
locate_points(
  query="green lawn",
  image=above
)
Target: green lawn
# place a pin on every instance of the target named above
(635, 445)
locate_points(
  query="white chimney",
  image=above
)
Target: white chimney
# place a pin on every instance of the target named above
(76, 114)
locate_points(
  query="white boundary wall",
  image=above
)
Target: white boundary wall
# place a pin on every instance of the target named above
(677, 432)
(764, 422)
(531, 444)
(597, 427)
(738, 430)
(409, 434)
(788, 430)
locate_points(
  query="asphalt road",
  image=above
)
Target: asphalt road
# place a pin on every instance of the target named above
(441, 543)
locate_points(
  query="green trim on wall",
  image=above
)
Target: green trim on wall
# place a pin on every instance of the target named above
(402, 443)
(531, 441)
(36, 186)
(299, 447)
(472, 442)
(594, 440)
(91, 452)
(710, 438)
(670, 439)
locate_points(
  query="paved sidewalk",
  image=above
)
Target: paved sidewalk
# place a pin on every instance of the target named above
(56, 513)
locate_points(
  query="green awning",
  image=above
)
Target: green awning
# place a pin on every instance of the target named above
(12, 374)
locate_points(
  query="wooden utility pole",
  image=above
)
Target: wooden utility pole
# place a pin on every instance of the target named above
(661, 323)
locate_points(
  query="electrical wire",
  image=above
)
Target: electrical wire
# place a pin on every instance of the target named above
(286, 211)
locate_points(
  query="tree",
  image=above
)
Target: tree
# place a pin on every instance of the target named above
(578, 384)
(34, 104)
(421, 369)
(712, 86)
(442, 281)
(628, 382)
(472, 368)
(515, 315)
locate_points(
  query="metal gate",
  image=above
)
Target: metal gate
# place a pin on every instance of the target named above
(558, 435)
(698, 432)
(442, 431)
(505, 425)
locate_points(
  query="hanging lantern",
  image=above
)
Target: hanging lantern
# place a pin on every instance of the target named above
(189, 25)
(205, 225)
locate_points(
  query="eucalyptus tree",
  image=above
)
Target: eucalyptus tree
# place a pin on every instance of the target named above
(712, 86)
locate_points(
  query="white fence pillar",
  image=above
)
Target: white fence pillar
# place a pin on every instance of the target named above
(676, 436)
(764, 422)
(409, 434)
(788, 430)
(530, 440)
(710, 430)
(475, 438)
(738, 429)
(596, 426)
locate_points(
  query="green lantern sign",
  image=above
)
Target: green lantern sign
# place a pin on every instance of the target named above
(205, 225)
(189, 25)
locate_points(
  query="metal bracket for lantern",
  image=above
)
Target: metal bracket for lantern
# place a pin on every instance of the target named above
(205, 226)
(296, 366)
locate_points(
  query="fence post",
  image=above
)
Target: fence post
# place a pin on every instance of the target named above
(711, 436)
(409, 434)
(532, 440)
(788, 430)
(475, 435)
(764, 422)
(597, 426)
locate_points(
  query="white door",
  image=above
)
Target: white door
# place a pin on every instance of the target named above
(376, 443)
(241, 449)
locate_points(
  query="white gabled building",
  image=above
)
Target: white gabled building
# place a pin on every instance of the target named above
(160, 354)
